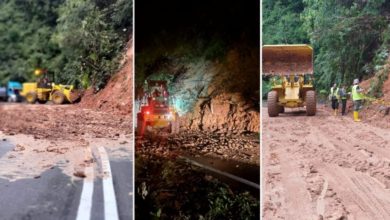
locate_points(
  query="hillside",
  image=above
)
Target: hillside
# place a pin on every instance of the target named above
(117, 95)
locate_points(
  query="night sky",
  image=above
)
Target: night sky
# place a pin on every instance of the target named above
(168, 20)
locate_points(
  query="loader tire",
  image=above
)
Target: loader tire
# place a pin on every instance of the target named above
(58, 98)
(272, 104)
(140, 125)
(31, 97)
(311, 103)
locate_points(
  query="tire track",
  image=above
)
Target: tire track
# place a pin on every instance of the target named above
(310, 150)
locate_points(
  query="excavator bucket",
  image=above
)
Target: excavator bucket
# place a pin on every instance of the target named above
(287, 59)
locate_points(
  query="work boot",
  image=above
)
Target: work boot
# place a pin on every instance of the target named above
(356, 116)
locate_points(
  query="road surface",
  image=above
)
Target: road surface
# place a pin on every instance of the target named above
(51, 168)
(324, 167)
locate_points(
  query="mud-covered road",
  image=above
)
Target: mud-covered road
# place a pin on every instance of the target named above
(64, 162)
(324, 167)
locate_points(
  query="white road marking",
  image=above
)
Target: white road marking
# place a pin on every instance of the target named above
(85, 206)
(110, 205)
(236, 178)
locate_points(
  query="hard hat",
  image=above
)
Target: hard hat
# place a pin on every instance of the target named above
(356, 81)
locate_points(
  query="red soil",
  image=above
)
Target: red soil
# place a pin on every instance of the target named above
(117, 96)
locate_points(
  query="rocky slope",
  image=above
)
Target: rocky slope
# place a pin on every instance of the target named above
(220, 96)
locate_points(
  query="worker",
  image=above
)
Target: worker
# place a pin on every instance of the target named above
(343, 96)
(334, 97)
(357, 98)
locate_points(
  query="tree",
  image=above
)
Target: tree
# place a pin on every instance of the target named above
(77, 41)
(282, 23)
(346, 36)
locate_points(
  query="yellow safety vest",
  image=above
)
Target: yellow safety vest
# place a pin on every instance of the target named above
(356, 95)
(335, 93)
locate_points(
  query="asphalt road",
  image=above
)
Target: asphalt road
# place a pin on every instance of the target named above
(54, 195)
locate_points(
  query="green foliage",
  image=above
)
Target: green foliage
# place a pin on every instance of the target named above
(346, 35)
(25, 32)
(323, 92)
(266, 87)
(350, 37)
(174, 196)
(154, 59)
(282, 23)
(224, 205)
(78, 41)
(376, 84)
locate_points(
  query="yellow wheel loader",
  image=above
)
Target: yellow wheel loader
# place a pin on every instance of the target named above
(290, 68)
(58, 94)
(156, 113)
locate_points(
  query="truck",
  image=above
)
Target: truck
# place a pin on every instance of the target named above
(11, 92)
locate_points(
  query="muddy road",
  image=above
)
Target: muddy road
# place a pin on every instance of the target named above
(64, 162)
(324, 167)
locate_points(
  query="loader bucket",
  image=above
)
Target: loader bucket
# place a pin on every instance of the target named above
(287, 59)
(74, 96)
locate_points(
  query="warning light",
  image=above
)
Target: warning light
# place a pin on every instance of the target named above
(147, 112)
(38, 72)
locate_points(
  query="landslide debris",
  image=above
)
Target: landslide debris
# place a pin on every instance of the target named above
(65, 122)
(377, 113)
(117, 95)
(239, 147)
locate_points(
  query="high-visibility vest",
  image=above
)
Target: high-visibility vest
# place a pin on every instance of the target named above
(335, 93)
(356, 95)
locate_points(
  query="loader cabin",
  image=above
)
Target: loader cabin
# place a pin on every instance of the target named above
(157, 100)
(157, 113)
(158, 93)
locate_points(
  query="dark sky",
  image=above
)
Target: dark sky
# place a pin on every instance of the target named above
(190, 19)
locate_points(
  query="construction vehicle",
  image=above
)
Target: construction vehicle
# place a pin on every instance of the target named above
(291, 70)
(156, 113)
(11, 92)
(58, 94)
(44, 91)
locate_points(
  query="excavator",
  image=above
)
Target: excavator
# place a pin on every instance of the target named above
(44, 90)
(156, 113)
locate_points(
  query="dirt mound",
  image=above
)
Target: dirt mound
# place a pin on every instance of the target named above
(63, 122)
(220, 96)
(373, 112)
(117, 96)
(379, 77)
(386, 90)
(224, 113)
